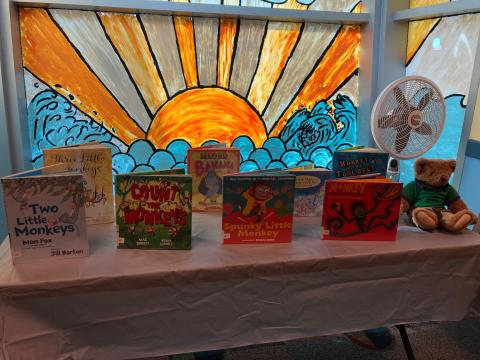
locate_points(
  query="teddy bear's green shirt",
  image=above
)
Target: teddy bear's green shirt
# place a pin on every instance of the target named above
(419, 194)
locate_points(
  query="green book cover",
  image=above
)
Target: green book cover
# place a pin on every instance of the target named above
(154, 211)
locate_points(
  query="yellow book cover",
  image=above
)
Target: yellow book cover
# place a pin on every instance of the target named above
(94, 160)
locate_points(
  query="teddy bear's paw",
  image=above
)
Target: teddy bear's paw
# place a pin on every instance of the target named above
(473, 217)
(463, 222)
(456, 222)
(425, 219)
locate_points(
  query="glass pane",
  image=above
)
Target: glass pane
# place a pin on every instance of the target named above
(152, 86)
(443, 50)
(330, 5)
(421, 3)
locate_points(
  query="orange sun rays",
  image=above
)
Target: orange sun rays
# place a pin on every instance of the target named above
(278, 45)
(419, 30)
(226, 44)
(136, 55)
(197, 114)
(337, 65)
(48, 54)
(186, 46)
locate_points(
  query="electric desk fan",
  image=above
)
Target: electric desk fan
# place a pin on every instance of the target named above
(408, 118)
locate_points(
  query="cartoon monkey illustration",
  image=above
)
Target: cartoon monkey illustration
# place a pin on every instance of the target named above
(210, 186)
(185, 201)
(257, 197)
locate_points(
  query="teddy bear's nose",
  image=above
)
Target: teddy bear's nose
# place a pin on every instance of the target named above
(443, 179)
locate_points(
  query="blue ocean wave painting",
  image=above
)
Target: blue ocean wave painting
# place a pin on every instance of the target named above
(308, 137)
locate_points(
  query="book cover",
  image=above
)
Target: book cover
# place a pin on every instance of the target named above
(309, 191)
(208, 165)
(95, 162)
(359, 161)
(45, 215)
(361, 210)
(153, 211)
(258, 208)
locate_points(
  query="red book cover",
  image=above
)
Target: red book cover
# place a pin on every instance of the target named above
(361, 210)
(258, 208)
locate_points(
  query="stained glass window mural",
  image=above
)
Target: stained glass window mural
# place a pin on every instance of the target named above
(151, 86)
(443, 50)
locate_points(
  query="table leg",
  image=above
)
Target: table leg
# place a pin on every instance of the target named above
(406, 342)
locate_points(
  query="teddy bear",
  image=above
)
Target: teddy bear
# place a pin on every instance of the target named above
(431, 202)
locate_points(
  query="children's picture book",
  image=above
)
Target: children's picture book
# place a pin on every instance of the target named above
(94, 160)
(45, 211)
(359, 161)
(364, 209)
(208, 165)
(154, 210)
(309, 191)
(258, 208)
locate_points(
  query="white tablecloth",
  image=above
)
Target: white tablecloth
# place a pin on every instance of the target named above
(120, 304)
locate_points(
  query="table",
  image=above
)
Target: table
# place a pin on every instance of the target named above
(120, 304)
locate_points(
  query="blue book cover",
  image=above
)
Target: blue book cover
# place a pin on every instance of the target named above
(309, 191)
(359, 162)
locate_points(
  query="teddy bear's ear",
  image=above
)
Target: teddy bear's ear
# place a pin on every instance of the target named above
(420, 164)
(452, 164)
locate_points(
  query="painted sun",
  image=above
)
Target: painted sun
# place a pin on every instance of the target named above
(175, 81)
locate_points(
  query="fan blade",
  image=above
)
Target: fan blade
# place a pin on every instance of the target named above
(401, 139)
(386, 121)
(425, 100)
(424, 129)
(400, 98)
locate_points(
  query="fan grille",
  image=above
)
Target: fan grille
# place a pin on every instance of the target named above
(408, 117)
